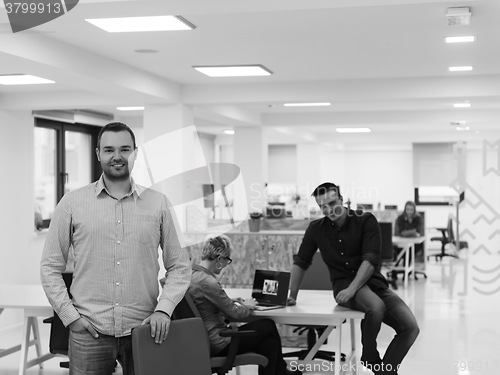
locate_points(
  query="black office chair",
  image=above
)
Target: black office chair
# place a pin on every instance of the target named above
(317, 277)
(59, 334)
(447, 237)
(221, 364)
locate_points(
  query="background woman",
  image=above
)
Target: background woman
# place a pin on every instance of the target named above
(216, 307)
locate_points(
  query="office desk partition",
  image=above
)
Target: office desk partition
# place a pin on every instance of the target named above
(314, 307)
(408, 245)
(32, 300)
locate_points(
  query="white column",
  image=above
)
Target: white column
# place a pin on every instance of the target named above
(250, 155)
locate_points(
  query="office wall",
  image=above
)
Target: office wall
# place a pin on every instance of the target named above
(19, 257)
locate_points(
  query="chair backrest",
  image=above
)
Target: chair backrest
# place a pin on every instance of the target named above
(387, 252)
(184, 352)
(317, 276)
(59, 334)
(451, 235)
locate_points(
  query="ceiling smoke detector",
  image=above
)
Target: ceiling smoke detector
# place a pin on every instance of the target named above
(459, 16)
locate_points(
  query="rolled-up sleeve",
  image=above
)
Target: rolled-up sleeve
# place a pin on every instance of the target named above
(307, 249)
(372, 240)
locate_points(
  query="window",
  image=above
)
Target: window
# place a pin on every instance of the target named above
(64, 160)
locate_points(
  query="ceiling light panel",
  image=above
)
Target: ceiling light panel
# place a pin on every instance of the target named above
(325, 104)
(466, 68)
(136, 108)
(353, 130)
(461, 105)
(23, 79)
(460, 39)
(140, 24)
(234, 71)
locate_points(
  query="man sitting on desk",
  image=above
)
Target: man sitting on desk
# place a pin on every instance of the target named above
(349, 242)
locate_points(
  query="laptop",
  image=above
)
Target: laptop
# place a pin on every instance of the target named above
(270, 289)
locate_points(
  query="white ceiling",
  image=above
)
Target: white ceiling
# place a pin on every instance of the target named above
(382, 63)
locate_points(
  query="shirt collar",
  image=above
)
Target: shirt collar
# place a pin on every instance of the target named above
(197, 267)
(135, 190)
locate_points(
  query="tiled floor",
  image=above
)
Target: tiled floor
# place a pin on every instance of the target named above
(457, 307)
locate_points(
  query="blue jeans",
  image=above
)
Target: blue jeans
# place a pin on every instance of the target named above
(385, 306)
(91, 356)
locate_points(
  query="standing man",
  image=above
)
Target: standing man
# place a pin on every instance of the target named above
(115, 228)
(349, 243)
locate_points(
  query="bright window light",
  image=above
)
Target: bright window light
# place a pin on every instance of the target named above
(23, 79)
(234, 71)
(229, 131)
(137, 108)
(353, 130)
(460, 68)
(460, 39)
(461, 105)
(136, 24)
(325, 104)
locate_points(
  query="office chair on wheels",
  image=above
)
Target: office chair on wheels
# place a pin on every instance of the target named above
(59, 334)
(447, 237)
(220, 364)
(317, 277)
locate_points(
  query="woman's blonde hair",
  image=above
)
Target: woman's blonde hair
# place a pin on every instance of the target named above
(216, 246)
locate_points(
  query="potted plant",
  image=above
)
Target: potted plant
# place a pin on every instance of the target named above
(254, 222)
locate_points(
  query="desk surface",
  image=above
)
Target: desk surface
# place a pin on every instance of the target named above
(23, 297)
(313, 306)
(407, 240)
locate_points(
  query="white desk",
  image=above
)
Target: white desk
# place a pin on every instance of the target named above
(408, 245)
(314, 307)
(33, 301)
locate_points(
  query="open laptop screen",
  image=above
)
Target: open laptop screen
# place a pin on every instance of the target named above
(271, 287)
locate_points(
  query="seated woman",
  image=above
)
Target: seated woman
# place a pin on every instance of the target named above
(409, 223)
(215, 307)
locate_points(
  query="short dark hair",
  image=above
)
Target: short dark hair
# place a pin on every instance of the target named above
(325, 188)
(116, 127)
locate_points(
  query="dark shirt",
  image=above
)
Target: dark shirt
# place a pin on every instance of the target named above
(402, 223)
(343, 249)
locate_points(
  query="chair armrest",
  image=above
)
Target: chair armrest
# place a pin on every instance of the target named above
(48, 320)
(233, 346)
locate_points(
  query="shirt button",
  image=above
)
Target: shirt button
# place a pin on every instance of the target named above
(340, 240)
(117, 284)
(346, 263)
(118, 242)
(118, 263)
(117, 304)
(341, 253)
(119, 221)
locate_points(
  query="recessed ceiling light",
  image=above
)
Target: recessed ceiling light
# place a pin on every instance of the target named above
(461, 105)
(325, 104)
(462, 128)
(234, 71)
(460, 39)
(136, 108)
(460, 68)
(146, 51)
(229, 131)
(136, 24)
(353, 130)
(23, 79)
